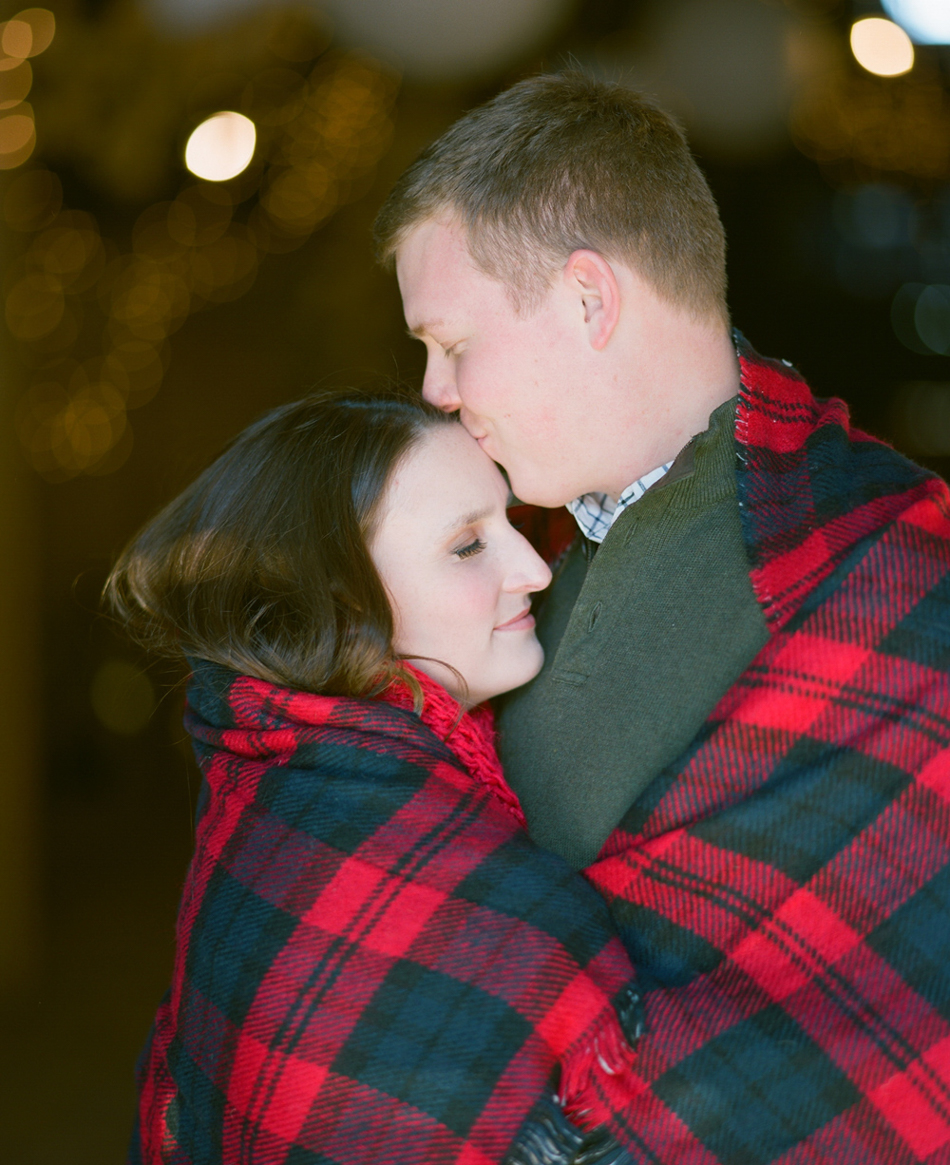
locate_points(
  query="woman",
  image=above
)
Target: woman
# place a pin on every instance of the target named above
(373, 961)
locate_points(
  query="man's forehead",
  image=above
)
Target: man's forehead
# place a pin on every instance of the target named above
(434, 270)
(433, 248)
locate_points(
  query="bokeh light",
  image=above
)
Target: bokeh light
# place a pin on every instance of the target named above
(15, 84)
(875, 215)
(135, 367)
(447, 42)
(112, 103)
(34, 306)
(17, 137)
(920, 315)
(876, 125)
(932, 317)
(17, 39)
(28, 34)
(323, 130)
(221, 147)
(730, 69)
(881, 47)
(193, 16)
(927, 21)
(76, 429)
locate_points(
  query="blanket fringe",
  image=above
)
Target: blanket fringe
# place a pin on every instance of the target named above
(609, 1048)
(550, 1139)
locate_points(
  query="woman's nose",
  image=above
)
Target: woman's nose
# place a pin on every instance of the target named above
(532, 572)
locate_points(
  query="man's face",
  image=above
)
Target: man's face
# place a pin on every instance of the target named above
(516, 380)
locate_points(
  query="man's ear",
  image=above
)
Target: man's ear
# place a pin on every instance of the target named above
(592, 278)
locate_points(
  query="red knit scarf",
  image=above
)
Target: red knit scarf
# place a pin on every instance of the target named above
(469, 733)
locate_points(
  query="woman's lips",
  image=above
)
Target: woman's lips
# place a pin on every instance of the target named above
(522, 622)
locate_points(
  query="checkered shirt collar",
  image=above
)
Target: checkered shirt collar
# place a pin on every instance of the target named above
(596, 513)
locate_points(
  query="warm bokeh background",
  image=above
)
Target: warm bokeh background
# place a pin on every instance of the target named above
(149, 316)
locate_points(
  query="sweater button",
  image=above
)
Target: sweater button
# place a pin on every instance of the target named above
(594, 616)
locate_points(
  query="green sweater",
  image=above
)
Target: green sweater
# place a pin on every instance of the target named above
(640, 645)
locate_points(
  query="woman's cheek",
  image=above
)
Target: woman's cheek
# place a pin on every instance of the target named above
(481, 596)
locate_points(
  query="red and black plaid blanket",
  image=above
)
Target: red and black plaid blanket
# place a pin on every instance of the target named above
(784, 888)
(374, 964)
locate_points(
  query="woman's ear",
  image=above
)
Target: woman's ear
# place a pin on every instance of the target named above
(592, 280)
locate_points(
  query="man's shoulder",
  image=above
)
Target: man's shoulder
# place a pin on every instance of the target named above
(814, 491)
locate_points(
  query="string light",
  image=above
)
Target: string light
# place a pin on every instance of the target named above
(28, 34)
(17, 39)
(15, 84)
(221, 147)
(927, 21)
(881, 47)
(17, 137)
(320, 133)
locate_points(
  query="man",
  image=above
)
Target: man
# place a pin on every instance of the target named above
(742, 730)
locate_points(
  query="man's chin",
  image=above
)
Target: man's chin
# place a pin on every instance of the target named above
(535, 495)
(534, 491)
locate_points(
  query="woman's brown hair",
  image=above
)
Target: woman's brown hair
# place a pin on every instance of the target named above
(263, 565)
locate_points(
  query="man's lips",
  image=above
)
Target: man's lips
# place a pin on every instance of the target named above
(521, 622)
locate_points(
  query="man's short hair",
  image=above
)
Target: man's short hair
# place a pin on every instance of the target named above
(558, 163)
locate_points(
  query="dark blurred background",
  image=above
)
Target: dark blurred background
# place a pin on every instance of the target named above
(153, 309)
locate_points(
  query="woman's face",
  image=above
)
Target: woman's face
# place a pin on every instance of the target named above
(459, 576)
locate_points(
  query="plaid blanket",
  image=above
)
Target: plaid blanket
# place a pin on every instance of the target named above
(784, 888)
(374, 964)
(371, 953)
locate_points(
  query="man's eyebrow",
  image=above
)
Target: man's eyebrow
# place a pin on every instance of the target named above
(468, 519)
(421, 330)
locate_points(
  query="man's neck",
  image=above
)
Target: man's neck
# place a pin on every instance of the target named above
(672, 400)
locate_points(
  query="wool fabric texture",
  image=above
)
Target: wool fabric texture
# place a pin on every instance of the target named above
(374, 963)
(784, 888)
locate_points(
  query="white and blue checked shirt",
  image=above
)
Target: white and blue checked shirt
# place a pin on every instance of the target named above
(596, 513)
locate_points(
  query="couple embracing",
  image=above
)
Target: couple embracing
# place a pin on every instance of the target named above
(683, 896)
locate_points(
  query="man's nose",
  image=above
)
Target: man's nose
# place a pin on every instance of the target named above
(438, 384)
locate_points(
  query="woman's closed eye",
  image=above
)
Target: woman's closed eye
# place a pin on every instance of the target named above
(472, 548)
